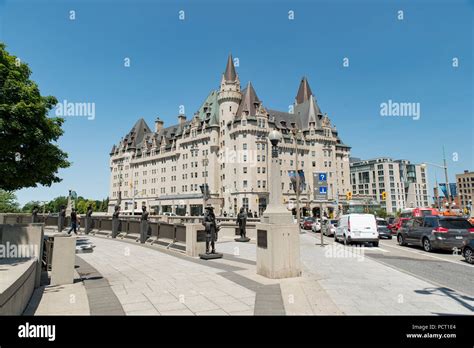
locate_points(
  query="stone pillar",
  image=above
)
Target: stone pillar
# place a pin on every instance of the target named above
(278, 245)
(195, 240)
(64, 256)
(143, 231)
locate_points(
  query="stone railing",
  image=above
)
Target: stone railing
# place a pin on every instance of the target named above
(181, 233)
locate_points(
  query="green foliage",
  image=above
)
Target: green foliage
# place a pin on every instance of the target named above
(54, 205)
(28, 155)
(82, 204)
(8, 202)
(381, 213)
(28, 207)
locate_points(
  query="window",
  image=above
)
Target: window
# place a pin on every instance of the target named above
(245, 184)
(245, 170)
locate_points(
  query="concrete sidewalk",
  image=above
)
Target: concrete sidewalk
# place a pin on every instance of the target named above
(70, 299)
(146, 280)
(360, 285)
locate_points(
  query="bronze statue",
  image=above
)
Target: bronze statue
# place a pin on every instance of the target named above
(116, 212)
(89, 211)
(34, 213)
(144, 216)
(242, 222)
(209, 221)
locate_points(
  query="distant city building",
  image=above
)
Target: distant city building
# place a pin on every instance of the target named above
(465, 188)
(405, 184)
(225, 145)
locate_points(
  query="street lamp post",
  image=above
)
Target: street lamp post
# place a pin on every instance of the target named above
(295, 133)
(276, 212)
(205, 163)
(445, 167)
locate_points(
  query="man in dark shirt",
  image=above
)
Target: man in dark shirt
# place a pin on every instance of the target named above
(73, 222)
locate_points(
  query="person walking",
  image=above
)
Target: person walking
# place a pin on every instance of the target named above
(73, 222)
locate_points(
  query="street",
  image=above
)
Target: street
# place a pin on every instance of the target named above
(440, 267)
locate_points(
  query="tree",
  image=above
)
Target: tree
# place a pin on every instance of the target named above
(8, 202)
(28, 207)
(54, 205)
(28, 155)
(381, 213)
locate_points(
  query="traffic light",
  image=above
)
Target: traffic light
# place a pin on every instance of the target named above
(384, 195)
(349, 196)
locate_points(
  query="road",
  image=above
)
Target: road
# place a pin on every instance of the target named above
(442, 268)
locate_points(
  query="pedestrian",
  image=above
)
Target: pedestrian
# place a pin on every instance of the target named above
(73, 222)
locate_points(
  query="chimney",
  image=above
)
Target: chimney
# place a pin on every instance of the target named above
(158, 125)
(181, 119)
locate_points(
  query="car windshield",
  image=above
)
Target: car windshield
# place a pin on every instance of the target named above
(455, 223)
(309, 219)
(382, 223)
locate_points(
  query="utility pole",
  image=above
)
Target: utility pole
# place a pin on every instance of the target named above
(448, 190)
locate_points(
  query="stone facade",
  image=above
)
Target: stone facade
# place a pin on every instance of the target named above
(405, 184)
(225, 145)
(465, 189)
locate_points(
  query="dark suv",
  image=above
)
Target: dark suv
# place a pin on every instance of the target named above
(436, 232)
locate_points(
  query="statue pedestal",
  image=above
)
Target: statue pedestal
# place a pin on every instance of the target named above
(211, 256)
(242, 239)
(278, 250)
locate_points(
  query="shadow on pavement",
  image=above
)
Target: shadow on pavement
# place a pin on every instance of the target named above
(461, 299)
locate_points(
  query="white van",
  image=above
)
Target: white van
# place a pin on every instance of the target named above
(357, 228)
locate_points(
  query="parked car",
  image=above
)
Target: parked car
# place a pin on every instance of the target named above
(436, 232)
(468, 250)
(308, 223)
(329, 227)
(357, 228)
(390, 220)
(397, 223)
(316, 227)
(382, 228)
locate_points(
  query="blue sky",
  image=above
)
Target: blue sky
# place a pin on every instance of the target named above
(176, 62)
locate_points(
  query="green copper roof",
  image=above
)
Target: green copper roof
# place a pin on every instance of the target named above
(211, 106)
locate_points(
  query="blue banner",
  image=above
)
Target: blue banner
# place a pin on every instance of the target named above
(452, 189)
